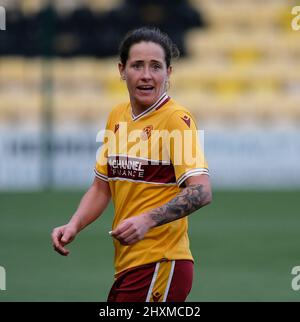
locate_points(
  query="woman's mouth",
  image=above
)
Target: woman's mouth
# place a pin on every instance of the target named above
(145, 88)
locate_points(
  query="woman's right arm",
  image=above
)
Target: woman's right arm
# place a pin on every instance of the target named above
(91, 206)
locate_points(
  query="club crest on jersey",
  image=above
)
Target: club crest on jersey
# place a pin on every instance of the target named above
(146, 133)
(156, 296)
(187, 120)
(117, 127)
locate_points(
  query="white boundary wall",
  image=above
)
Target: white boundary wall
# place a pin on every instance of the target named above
(240, 158)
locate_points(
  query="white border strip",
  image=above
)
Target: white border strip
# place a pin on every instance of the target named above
(169, 281)
(100, 175)
(152, 282)
(191, 173)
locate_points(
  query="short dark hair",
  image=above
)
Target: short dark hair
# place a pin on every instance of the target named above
(148, 34)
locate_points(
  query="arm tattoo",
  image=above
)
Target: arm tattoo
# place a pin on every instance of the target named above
(187, 201)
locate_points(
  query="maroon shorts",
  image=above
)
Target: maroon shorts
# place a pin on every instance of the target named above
(165, 281)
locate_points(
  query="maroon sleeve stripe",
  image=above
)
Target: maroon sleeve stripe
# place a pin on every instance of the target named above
(100, 175)
(191, 173)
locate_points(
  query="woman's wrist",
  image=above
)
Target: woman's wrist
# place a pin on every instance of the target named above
(75, 223)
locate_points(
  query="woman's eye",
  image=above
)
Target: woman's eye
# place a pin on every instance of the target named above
(156, 66)
(136, 66)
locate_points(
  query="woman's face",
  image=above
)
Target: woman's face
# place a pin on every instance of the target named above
(146, 74)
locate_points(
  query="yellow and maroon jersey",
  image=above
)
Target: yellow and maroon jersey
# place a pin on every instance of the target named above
(146, 159)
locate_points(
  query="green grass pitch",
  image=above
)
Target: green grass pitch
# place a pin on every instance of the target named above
(244, 244)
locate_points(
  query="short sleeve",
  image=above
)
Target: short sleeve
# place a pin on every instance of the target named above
(186, 150)
(101, 162)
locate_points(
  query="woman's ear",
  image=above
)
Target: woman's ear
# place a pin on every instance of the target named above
(169, 70)
(122, 71)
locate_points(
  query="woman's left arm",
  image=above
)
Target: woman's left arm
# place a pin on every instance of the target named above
(196, 194)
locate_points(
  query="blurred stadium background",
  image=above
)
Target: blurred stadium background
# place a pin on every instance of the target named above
(239, 74)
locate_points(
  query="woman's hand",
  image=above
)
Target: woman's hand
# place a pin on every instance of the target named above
(133, 229)
(62, 236)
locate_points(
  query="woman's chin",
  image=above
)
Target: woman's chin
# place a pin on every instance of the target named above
(146, 101)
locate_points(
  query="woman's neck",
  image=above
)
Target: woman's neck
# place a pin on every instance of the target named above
(137, 109)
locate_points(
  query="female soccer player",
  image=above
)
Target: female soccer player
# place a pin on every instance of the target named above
(154, 185)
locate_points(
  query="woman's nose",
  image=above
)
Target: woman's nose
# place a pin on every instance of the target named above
(146, 73)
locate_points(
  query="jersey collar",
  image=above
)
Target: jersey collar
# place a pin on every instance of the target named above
(158, 104)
